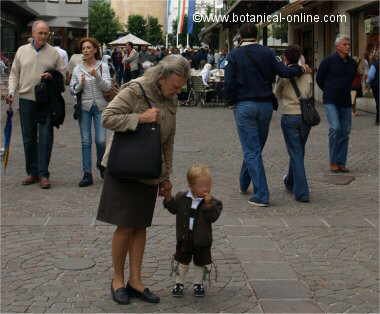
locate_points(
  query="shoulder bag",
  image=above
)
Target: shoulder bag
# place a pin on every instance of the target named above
(309, 114)
(136, 154)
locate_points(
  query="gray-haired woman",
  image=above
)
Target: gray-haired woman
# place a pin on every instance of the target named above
(130, 205)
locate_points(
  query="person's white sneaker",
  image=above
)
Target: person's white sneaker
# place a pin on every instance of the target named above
(257, 204)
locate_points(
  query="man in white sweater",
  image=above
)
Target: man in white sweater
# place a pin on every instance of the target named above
(31, 63)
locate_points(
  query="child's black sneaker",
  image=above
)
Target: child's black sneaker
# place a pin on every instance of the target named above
(199, 290)
(177, 291)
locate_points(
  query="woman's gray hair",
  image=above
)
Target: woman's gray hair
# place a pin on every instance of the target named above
(172, 64)
(341, 37)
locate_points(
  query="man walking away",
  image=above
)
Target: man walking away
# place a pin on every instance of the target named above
(334, 77)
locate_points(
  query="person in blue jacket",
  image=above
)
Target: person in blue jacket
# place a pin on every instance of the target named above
(334, 77)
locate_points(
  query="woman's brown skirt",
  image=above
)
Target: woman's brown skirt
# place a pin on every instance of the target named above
(127, 204)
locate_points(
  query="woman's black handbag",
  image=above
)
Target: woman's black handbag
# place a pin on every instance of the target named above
(78, 107)
(310, 115)
(136, 154)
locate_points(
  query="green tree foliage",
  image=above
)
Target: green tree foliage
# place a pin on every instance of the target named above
(148, 29)
(153, 31)
(103, 24)
(137, 25)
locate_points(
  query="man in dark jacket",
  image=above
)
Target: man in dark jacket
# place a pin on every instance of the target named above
(250, 71)
(334, 77)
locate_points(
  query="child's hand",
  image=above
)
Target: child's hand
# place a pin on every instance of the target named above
(208, 198)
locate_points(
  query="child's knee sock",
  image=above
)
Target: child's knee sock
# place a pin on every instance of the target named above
(181, 273)
(201, 273)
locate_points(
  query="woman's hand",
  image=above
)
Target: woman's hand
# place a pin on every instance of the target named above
(165, 188)
(82, 79)
(149, 116)
(93, 72)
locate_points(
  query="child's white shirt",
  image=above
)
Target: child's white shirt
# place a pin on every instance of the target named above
(195, 201)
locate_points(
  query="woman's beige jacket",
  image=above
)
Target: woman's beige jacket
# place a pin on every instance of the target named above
(122, 114)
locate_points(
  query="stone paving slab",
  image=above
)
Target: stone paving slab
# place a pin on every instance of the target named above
(24, 221)
(305, 221)
(271, 222)
(256, 255)
(290, 306)
(244, 231)
(269, 271)
(251, 243)
(280, 289)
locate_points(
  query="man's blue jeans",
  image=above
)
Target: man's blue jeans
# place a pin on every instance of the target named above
(100, 137)
(295, 133)
(339, 119)
(37, 149)
(252, 120)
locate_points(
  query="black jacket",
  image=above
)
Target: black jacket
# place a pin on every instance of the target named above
(180, 206)
(49, 98)
(334, 77)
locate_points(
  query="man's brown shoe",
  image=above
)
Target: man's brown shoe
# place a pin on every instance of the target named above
(334, 168)
(45, 183)
(343, 169)
(30, 180)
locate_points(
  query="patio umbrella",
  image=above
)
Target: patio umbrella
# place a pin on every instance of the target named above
(7, 138)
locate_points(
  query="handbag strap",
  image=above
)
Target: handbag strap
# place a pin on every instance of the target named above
(295, 87)
(144, 94)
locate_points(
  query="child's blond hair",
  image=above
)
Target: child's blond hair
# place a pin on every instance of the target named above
(196, 171)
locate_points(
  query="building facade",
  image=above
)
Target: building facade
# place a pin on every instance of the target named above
(67, 19)
(14, 18)
(357, 19)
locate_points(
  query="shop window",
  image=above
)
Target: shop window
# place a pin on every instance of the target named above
(74, 1)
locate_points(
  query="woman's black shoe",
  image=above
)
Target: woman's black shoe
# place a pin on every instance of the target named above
(120, 295)
(86, 180)
(146, 295)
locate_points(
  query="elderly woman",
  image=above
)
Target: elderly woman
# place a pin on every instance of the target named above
(130, 205)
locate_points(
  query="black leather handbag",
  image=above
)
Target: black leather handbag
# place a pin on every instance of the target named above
(309, 114)
(136, 154)
(77, 114)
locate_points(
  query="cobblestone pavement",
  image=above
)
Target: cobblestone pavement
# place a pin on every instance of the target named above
(289, 257)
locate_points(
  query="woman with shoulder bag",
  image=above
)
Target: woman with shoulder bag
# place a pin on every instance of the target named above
(129, 203)
(294, 129)
(91, 79)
